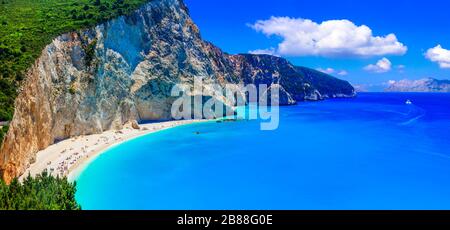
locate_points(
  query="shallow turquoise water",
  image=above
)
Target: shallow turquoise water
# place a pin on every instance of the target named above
(370, 152)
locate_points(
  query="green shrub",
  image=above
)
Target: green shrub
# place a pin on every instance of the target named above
(72, 89)
(89, 50)
(3, 132)
(43, 192)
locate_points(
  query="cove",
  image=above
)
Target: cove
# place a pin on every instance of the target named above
(369, 152)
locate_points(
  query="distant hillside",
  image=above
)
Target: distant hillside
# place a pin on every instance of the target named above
(422, 85)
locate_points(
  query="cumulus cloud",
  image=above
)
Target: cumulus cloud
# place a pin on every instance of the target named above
(303, 37)
(382, 66)
(439, 55)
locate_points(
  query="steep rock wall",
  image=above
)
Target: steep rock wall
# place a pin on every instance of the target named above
(98, 79)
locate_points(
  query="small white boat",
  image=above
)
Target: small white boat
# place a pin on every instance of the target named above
(408, 102)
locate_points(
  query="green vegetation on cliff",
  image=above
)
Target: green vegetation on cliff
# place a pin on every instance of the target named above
(44, 192)
(3, 131)
(27, 26)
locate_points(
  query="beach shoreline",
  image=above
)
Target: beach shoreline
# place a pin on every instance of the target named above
(71, 156)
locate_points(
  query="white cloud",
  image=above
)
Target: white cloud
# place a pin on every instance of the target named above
(391, 82)
(270, 51)
(439, 55)
(360, 88)
(382, 66)
(342, 73)
(333, 71)
(327, 70)
(401, 68)
(303, 37)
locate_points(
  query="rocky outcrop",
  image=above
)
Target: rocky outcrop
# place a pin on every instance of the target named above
(123, 70)
(422, 85)
(297, 83)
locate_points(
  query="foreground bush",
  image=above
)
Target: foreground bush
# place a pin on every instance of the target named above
(43, 192)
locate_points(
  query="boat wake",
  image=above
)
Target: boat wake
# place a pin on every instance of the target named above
(414, 114)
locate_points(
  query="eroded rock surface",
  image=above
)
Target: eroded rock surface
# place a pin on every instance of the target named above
(121, 71)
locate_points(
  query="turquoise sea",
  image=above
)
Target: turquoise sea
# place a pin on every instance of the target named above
(369, 152)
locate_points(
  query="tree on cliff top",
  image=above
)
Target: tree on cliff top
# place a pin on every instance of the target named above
(43, 192)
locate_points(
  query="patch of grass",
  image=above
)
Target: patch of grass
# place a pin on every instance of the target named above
(27, 26)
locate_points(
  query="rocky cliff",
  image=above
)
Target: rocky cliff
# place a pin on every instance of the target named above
(422, 85)
(98, 79)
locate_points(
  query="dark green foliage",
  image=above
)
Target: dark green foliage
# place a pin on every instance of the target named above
(44, 192)
(103, 8)
(72, 90)
(7, 95)
(3, 131)
(89, 50)
(27, 26)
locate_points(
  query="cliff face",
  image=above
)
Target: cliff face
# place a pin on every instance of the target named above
(422, 85)
(98, 79)
(297, 83)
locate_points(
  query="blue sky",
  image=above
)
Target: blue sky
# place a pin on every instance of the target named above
(417, 26)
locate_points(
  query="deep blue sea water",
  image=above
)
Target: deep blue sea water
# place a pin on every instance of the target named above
(370, 152)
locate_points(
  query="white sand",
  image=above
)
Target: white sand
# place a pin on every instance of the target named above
(69, 157)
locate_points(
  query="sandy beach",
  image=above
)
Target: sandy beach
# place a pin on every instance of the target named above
(69, 157)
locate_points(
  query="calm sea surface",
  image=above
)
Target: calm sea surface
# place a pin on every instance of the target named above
(370, 152)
